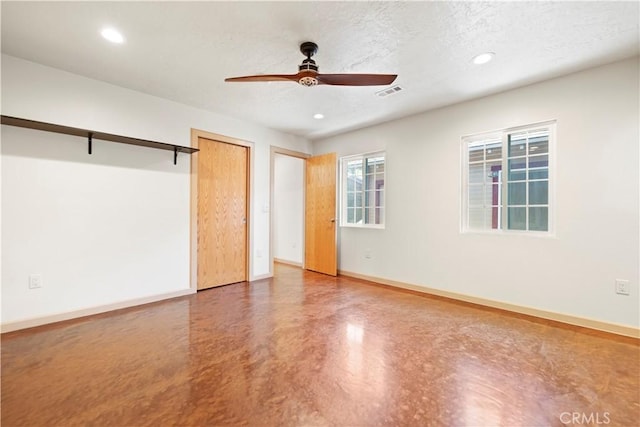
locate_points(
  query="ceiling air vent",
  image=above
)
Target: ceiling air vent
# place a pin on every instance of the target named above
(390, 91)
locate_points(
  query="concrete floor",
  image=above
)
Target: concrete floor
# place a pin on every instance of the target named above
(304, 349)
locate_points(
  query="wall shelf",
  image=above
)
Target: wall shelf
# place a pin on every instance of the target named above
(92, 135)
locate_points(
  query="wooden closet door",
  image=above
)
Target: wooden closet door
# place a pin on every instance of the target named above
(222, 213)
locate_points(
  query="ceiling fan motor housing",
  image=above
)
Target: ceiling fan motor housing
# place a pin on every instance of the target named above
(310, 69)
(308, 81)
(308, 65)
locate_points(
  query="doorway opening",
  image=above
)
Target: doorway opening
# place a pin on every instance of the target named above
(288, 210)
(287, 207)
(314, 224)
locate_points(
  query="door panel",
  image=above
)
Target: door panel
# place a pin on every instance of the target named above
(320, 214)
(222, 213)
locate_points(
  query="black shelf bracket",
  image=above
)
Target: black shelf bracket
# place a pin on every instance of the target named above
(91, 135)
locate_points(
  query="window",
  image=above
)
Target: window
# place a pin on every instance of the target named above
(362, 196)
(506, 180)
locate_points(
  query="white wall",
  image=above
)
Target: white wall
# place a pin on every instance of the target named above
(597, 190)
(288, 208)
(113, 226)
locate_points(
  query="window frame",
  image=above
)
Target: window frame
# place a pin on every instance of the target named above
(344, 191)
(503, 135)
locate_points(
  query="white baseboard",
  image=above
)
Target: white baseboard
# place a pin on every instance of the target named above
(261, 276)
(613, 328)
(287, 262)
(44, 320)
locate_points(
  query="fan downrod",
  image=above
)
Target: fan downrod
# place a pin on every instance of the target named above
(308, 49)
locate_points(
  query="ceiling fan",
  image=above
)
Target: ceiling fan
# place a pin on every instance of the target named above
(308, 74)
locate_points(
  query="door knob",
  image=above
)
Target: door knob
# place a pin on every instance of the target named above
(332, 220)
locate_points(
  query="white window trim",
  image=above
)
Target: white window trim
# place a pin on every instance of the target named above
(503, 134)
(343, 193)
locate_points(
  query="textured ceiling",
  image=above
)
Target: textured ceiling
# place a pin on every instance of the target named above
(183, 51)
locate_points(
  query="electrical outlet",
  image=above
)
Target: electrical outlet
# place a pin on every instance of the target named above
(35, 281)
(622, 287)
(367, 253)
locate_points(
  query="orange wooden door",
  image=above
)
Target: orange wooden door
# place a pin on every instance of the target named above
(222, 213)
(320, 214)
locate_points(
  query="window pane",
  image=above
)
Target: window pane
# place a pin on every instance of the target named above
(476, 218)
(492, 172)
(517, 145)
(517, 194)
(517, 219)
(494, 151)
(351, 183)
(370, 182)
(539, 161)
(539, 218)
(351, 217)
(539, 143)
(539, 173)
(357, 197)
(495, 218)
(494, 198)
(517, 169)
(381, 216)
(370, 198)
(374, 182)
(354, 168)
(538, 193)
(372, 215)
(379, 182)
(374, 163)
(476, 153)
(483, 218)
(476, 173)
(476, 195)
(374, 198)
(351, 199)
(539, 167)
(487, 194)
(358, 219)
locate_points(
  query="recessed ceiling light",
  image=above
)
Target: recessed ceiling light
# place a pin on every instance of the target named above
(113, 35)
(483, 58)
(318, 116)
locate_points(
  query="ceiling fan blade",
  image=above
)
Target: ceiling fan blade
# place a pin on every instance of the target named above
(264, 78)
(356, 79)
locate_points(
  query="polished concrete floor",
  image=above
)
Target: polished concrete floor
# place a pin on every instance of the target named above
(310, 350)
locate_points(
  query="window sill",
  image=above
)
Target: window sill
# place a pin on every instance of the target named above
(515, 233)
(374, 226)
